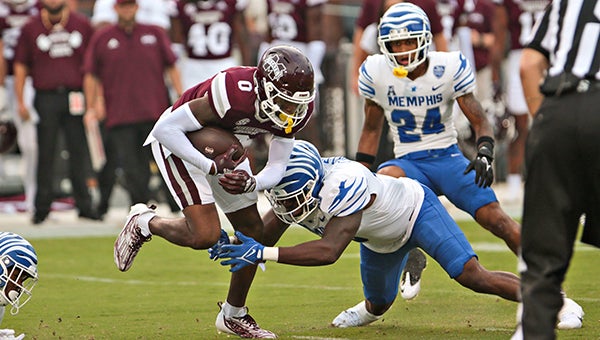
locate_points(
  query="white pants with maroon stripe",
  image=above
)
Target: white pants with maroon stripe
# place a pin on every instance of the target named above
(189, 185)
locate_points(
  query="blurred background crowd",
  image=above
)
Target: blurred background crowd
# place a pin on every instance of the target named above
(82, 114)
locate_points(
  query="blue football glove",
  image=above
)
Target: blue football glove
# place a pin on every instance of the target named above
(216, 249)
(249, 252)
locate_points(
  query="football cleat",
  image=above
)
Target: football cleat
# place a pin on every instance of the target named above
(410, 282)
(355, 317)
(244, 327)
(570, 315)
(132, 236)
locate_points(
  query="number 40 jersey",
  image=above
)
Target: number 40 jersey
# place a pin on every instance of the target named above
(418, 111)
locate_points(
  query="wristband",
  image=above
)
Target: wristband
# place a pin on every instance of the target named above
(271, 254)
(365, 158)
(485, 139)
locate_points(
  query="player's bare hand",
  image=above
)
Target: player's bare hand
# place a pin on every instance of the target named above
(237, 182)
(226, 161)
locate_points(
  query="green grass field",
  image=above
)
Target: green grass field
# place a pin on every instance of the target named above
(171, 293)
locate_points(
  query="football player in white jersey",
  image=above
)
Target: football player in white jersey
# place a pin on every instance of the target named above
(414, 91)
(341, 201)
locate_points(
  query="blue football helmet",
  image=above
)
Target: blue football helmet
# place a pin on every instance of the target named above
(296, 195)
(18, 271)
(405, 21)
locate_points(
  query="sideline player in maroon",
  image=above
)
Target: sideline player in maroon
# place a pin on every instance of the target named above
(50, 49)
(276, 97)
(128, 62)
(210, 30)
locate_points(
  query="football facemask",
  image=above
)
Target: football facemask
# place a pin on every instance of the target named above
(16, 283)
(401, 22)
(18, 270)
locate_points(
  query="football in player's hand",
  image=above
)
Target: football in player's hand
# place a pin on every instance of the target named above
(213, 141)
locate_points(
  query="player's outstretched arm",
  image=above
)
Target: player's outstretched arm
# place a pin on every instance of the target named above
(327, 250)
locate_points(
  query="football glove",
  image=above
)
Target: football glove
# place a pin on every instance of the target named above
(216, 249)
(225, 161)
(482, 164)
(237, 182)
(247, 253)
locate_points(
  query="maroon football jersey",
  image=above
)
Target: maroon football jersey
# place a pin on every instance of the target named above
(208, 27)
(287, 19)
(522, 15)
(54, 55)
(372, 10)
(12, 19)
(233, 98)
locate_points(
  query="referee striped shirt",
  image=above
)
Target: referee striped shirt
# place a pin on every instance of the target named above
(568, 35)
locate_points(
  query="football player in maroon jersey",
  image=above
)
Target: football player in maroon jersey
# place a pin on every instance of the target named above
(209, 31)
(274, 98)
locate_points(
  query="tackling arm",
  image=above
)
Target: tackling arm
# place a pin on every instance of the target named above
(327, 250)
(368, 144)
(336, 237)
(273, 228)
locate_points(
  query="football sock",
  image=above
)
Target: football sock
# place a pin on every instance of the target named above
(232, 311)
(144, 220)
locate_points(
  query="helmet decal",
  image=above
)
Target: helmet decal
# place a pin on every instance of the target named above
(296, 196)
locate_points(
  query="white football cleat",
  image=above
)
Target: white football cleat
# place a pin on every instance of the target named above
(410, 282)
(355, 317)
(570, 315)
(244, 327)
(132, 236)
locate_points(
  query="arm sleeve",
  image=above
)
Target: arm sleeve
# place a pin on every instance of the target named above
(280, 150)
(170, 131)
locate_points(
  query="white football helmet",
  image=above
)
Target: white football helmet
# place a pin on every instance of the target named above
(405, 21)
(296, 195)
(18, 271)
(285, 86)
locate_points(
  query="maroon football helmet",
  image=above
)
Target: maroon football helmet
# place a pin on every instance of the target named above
(285, 86)
(8, 135)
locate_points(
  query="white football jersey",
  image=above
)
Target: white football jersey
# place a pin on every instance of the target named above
(418, 111)
(347, 188)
